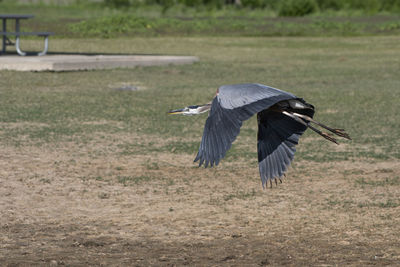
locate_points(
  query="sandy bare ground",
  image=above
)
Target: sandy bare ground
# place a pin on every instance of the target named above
(78, 205)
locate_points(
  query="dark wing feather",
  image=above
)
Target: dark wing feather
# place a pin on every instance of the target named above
(277, 137)
(220, 130)
(224, 122)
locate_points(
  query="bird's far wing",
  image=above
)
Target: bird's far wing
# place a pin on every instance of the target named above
(239, 95)
(278, 135)
(223, 124)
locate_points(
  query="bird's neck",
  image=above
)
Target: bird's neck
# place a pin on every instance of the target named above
(204, 108)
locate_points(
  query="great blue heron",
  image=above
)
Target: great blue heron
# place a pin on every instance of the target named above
(282, 118)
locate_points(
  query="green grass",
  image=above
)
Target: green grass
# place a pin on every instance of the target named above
(389, 203)
(353, 83)
(386, 182)
(240, 195)
(129, 180)
(132, 25)
(94, 20)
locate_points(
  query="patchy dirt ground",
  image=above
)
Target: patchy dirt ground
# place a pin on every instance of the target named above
(79, 205)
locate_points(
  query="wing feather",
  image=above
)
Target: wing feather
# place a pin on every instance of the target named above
(270, 164)
(277, 137)
(233, 105)
(239, 95)
(220, 131)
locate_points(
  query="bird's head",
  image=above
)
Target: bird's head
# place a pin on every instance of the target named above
(191, 110)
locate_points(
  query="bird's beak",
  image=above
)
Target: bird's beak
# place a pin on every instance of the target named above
(176, 111)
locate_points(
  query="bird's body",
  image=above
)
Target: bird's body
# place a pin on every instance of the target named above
(282, 119)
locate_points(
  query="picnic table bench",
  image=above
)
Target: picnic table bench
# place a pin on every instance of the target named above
(17, 34)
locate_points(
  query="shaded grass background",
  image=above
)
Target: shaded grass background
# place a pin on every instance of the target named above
(353, 82)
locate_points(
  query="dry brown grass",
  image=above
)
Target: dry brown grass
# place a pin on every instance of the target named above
(76, 206)
(90, 175)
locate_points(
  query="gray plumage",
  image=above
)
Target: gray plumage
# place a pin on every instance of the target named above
(282, 119)
(239, 95)
(277, 133)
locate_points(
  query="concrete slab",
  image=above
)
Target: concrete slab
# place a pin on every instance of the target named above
(87, 62)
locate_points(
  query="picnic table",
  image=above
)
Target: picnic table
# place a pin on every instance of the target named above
(17, 33)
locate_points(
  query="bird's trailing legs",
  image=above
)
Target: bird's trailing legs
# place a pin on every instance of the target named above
(303, 118)
(339, 132)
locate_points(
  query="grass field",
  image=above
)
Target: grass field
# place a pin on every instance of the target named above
(94, 20)
(94, 175)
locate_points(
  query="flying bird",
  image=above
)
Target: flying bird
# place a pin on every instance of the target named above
(282, 118)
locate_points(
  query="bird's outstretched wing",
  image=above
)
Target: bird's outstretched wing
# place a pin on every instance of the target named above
(233, 105)
(277, 137)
